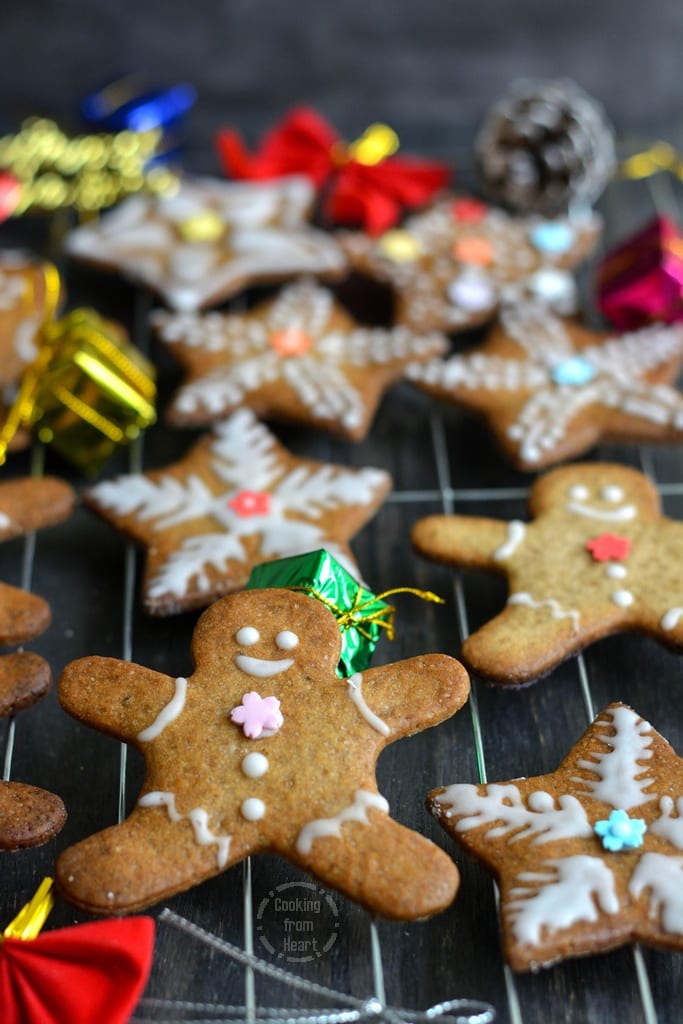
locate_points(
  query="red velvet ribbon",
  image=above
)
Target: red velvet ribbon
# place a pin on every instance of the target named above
(89, 973)
(374, 195)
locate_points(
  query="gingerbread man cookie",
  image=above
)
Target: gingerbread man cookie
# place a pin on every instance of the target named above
(550, 389)
(589, 857)
(299, 356)
(262, 749)
(452, 265)
(211, 239)
(236, 500)
(597, 558)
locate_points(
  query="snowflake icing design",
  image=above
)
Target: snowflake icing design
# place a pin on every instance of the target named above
(225, 484)
(624, 764)
(210, 239)
(455, 270)
(543, 382)
(301, 340)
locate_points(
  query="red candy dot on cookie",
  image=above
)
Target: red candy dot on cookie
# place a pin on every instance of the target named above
(609, 546)
(250, 503)
(474, 250)
(291, 342)
(468, 211)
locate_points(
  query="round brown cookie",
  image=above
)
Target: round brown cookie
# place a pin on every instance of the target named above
(238, 499)
(211, 239)
(597, 558)
(33, 502)
(28, 816)
(22, 615)
(589, 857)
(24, 679)
(550, 388)
(262, 749)
(299, 356)
(453, 265)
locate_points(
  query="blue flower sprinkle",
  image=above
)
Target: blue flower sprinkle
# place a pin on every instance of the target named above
(619, 832)
(552, 236)
(575, 370)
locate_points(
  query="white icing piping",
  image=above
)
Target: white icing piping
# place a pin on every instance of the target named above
(262, 668)
(670, 619)
(556, 610)
(612, 515)
(167, 714)
(354, 684)
(5, 521)
(357, 811)
(197, 817)
(516, 533)
(666, 825)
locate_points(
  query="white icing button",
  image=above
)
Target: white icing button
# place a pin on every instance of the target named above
(247, 636)
(286, 640)
(255, 765)
(623, 598)
(253, 809)
(612, 493)
(578, 492)
(616, 571)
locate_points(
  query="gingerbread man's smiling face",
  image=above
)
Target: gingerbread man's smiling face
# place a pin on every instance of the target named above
(600, 491)
(263, 634)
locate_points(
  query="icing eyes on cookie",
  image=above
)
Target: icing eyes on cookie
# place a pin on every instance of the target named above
(247, 636)
(578, 492)
(612, 493)
(286, 640)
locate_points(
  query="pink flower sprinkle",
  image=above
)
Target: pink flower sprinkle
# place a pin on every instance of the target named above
(257, 715)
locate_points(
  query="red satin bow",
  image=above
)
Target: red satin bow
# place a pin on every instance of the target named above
(374, 195)
(79, 975)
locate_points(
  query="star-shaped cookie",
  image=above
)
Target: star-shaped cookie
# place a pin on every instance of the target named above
(597, 558)
(550, 389)
(25, 505)
(237, 499)
(451, 266)
(25, 299)
(211, 239)
(299, 356)
(589, 857)
(262, 749)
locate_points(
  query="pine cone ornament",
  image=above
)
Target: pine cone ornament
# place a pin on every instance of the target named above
(543, 145)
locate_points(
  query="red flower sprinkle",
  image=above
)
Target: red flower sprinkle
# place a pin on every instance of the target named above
(250, 503)
(609, 546)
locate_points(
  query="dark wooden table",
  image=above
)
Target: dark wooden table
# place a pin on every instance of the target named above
(441, 460)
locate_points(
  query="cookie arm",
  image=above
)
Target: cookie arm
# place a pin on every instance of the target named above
(414, 694)
(468, 541)
(117, 697)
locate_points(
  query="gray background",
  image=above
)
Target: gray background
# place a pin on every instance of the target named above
(428, 67)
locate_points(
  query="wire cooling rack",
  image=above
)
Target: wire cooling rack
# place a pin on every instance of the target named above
(441, 460)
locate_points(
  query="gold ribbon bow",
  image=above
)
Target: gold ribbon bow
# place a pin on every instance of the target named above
(354, 616)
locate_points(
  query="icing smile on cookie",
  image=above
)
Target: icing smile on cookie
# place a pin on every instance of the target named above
(622, 514)
(262, 667)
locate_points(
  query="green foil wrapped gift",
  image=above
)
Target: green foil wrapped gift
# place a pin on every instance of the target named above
(361, 614)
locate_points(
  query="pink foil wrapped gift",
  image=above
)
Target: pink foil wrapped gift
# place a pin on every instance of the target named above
(642, 280)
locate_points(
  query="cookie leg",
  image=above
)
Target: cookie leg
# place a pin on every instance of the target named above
(147, 858)
(389, 869)
(523, 643)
